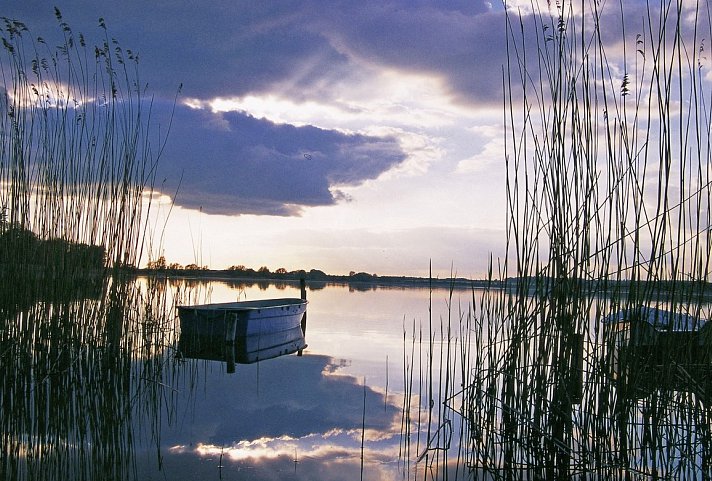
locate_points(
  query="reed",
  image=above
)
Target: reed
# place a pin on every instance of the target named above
(77, 157)
(83, 349)
(608, 208)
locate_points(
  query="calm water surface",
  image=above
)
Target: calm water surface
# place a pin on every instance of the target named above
(92, 386)
(295, 417)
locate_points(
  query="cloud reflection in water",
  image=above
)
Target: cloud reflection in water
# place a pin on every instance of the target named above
(266, 416)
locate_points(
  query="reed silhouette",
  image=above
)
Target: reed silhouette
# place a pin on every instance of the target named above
(76, 163)
(608, 211)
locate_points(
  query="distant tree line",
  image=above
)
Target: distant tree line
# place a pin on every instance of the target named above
(22, 247)
(240, 272)
(315, 276)
(160, 264)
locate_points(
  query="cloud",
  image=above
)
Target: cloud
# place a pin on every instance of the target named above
(232, 163)
(490, 154)
(304, 49)
(236, 49)
(265, 416)
(462, 45)
(213, 49)
(287, 397)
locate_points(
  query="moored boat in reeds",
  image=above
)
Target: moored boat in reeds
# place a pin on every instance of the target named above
(652, 348)
(242, 318)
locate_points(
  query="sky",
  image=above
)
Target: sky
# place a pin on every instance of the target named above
(333, 135)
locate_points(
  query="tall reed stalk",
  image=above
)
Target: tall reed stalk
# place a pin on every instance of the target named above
(76, 157)
(608, 123)
(82, 348)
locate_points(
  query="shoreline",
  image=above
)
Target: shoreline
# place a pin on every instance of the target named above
(318, 279)
(659, 290)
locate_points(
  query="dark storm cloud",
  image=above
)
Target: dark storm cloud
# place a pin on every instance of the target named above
(233, 163)
(236, 48)
(231, 48)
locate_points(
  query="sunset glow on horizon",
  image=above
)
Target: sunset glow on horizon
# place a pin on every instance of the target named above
(333, 136)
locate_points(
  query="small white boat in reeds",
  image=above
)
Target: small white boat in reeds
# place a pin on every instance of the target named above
(242, 332)
(651, 348)
(244, 318)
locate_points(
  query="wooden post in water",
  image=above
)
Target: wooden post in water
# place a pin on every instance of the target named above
(230, 357)
(230, 327)
(230, 333)
(303, 287)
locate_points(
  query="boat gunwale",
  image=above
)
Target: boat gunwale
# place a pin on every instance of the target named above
(252, 305)
(660, 320)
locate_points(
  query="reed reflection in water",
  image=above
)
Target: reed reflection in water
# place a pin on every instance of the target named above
(93, 388)
(78, 375)
(496, 396)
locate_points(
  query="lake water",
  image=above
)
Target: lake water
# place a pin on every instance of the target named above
(310, 417)
(93, 387)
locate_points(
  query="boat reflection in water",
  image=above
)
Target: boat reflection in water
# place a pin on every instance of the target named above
(244, 349)
(242, 332)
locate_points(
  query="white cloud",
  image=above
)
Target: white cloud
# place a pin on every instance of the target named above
(422, 150)
(387, 97)
(527, 7)
(492, 150)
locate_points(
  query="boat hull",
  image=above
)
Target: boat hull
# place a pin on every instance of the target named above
(650, 348)
(247, 318)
